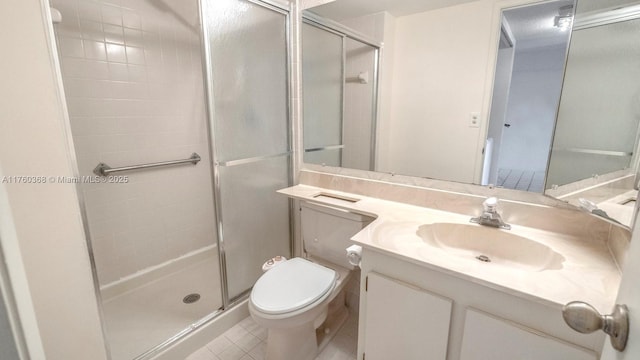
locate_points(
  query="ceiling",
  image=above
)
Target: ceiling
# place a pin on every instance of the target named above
(346, 9)
(532, 26)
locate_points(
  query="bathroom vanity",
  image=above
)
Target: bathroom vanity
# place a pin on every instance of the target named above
(409, 310)
(434, 286)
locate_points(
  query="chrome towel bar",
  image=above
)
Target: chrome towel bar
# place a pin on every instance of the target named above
(104, 170)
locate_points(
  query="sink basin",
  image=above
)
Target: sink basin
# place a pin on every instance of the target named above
(489, 245)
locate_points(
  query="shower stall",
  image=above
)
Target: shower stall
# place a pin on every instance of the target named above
(179, 115)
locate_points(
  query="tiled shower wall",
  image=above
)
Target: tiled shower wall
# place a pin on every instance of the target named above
(134, 87)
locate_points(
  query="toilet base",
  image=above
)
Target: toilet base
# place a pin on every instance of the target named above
(297, 343)
(304, 342)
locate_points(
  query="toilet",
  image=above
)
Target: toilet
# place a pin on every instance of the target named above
(301, 302)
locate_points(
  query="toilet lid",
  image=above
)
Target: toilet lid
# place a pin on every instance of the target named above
(291, 285)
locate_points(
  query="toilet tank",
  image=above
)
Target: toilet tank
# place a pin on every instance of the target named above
(327, 232)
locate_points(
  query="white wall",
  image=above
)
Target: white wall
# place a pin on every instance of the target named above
(133, 82)
(531, 108)
(439, 73)
(41, 223)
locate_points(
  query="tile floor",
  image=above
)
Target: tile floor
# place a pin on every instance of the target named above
(140, 319)
(521, 179)
(247, 341)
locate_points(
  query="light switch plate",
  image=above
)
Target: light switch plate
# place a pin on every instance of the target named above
(474, 119)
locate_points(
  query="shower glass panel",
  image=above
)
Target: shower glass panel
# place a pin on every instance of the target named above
(359, 105)
(597, 127)
(322, 86)
(133, 82)
(10, 335)
(256, 218)
(8, 346)
(249, 108)
(249, 57)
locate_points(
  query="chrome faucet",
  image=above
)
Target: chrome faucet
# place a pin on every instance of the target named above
(490, 216)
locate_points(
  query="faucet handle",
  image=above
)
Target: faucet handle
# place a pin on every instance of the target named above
(490, 204)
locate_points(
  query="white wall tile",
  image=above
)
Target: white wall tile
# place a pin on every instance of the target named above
(133, 82)
(116, 53)
(88, 10)
(137, 73)
(131, 19)
(94, 50)
(91, 30)
(113, 34)
(71, 47)
(133, 37)
(135, 55)
(118, 72)
(111, 15)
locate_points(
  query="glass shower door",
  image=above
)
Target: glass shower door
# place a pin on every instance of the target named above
(322, 86)
(248, 100)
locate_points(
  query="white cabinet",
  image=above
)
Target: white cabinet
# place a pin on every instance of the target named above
(404, 321)
(411, 311)
(490, 338)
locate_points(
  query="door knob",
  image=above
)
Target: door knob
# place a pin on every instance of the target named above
(584, 318)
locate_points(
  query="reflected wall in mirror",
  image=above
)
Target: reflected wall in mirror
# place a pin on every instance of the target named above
(526, 92)
(594, 158)
(435, 97)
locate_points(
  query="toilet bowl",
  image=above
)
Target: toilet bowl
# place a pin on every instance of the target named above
(292, 299)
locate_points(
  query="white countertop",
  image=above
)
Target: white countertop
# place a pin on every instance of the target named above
(588, 272)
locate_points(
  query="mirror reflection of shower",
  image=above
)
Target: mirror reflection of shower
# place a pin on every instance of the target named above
(594, 159)
(527, 85)
(340, 87)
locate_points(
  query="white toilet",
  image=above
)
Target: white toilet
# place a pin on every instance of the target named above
(295, 298)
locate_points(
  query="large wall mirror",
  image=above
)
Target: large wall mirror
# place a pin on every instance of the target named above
(472, 92)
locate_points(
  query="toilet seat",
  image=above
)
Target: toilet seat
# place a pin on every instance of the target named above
(291, 286)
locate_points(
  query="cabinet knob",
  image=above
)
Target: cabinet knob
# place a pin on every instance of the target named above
(584, 318)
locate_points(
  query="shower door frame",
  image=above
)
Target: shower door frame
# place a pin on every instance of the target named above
(207, 64)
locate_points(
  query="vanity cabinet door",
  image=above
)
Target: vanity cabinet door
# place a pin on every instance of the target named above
(404, 322)
(490, 338)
